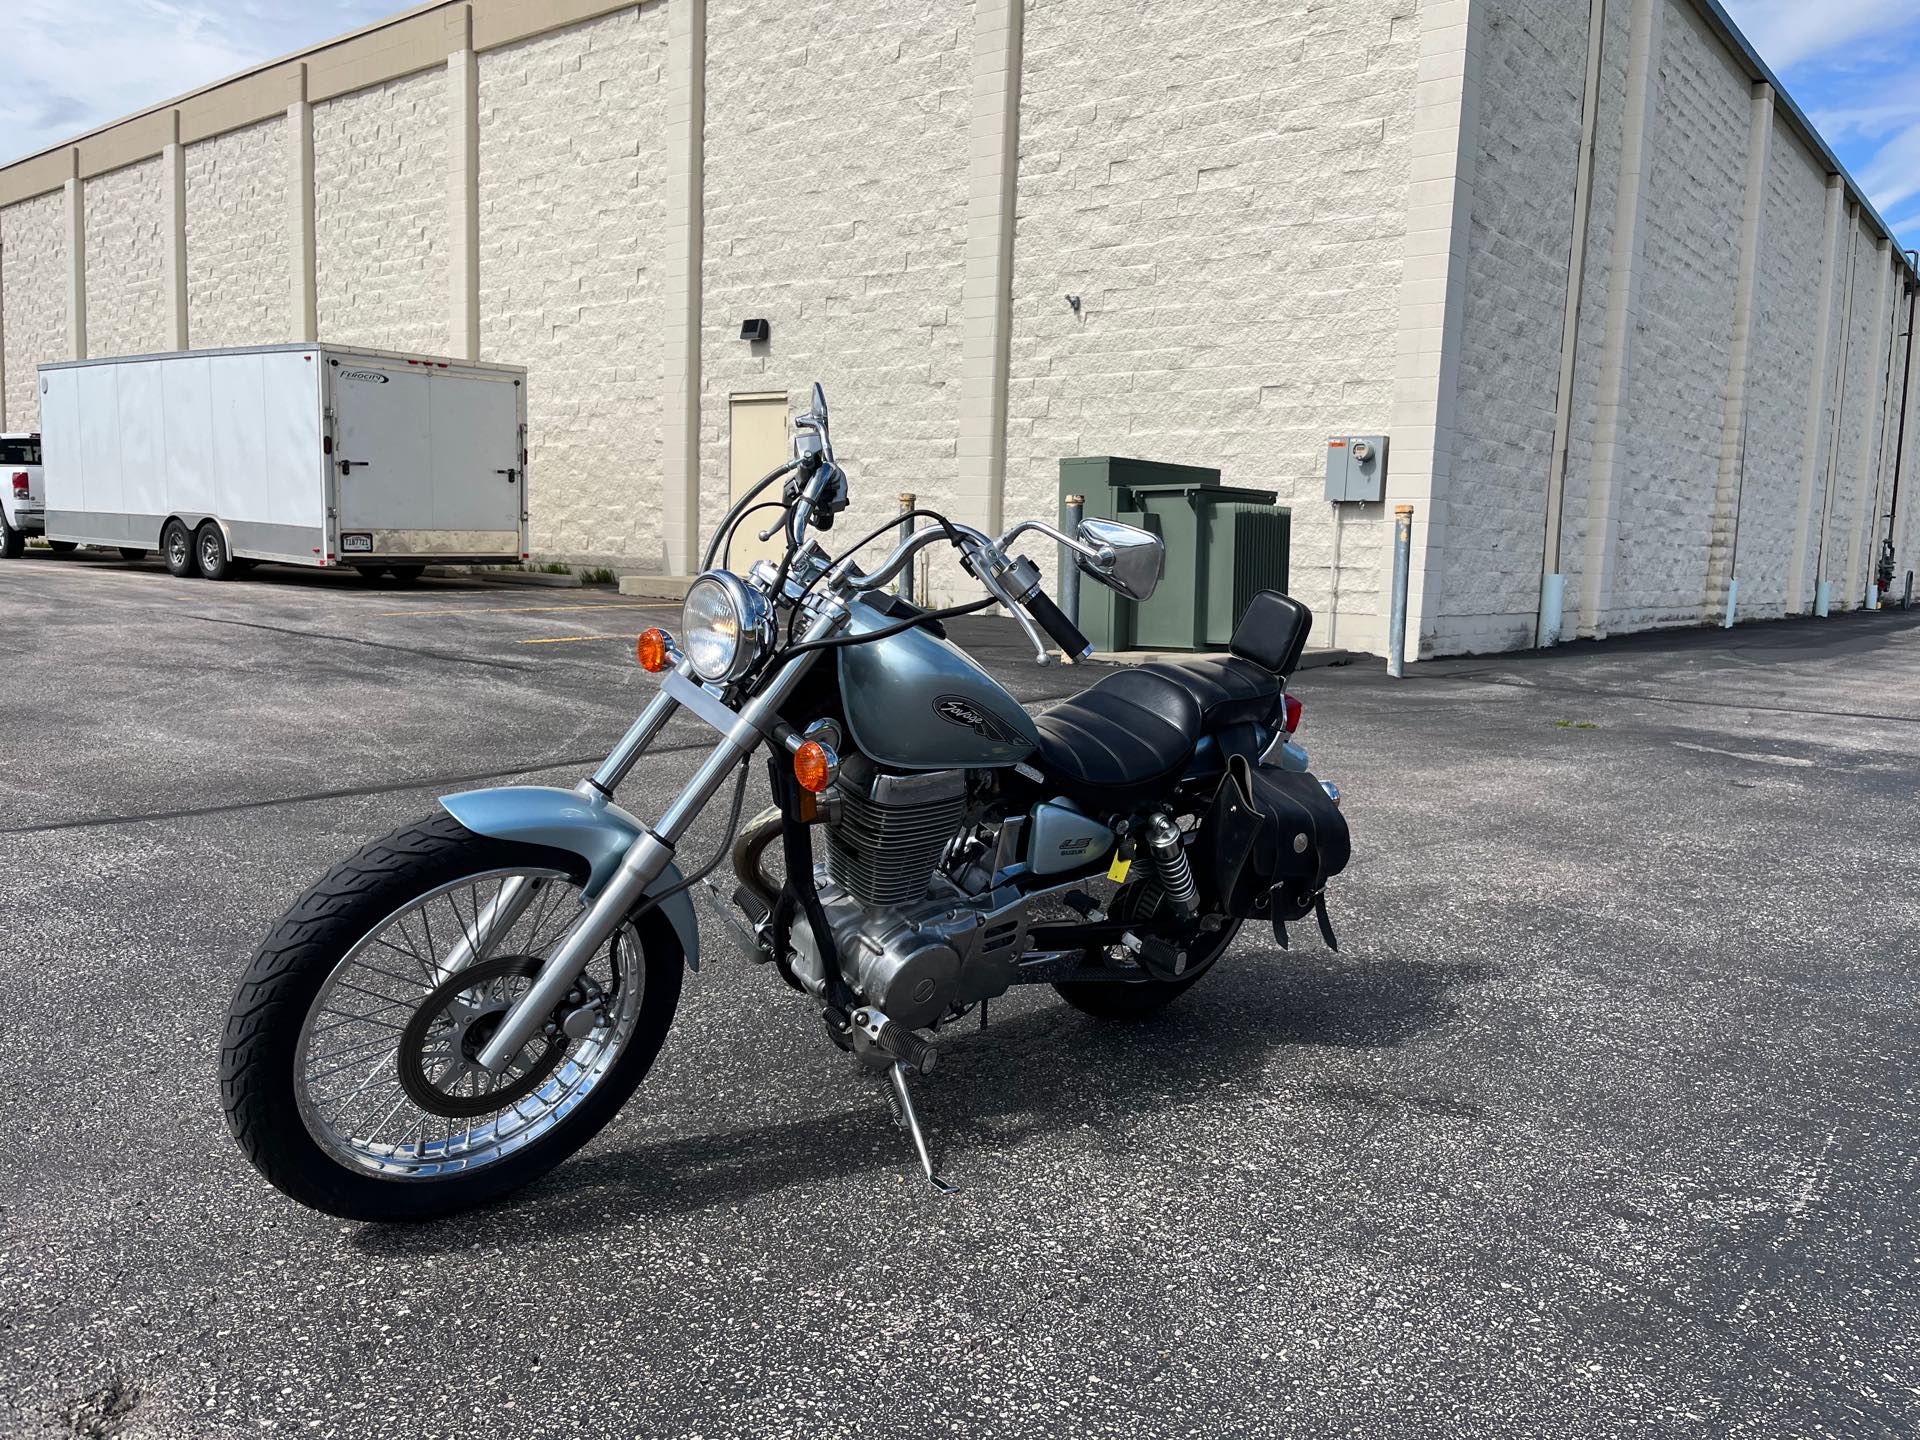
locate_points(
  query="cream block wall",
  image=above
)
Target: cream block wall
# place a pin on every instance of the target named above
(126, 219)
(381, 217)
(237, 238)
(1677, 396)
(1527, 145)
(1859, 364)
(572, 226)
(836, 207)
(1781, 370)
(33, 299)
(1225, 188)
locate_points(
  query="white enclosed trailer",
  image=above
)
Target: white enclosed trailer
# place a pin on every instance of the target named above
(301, 454)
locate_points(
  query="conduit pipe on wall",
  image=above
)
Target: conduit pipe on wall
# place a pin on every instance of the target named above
(1552, 582)
(1900, 435)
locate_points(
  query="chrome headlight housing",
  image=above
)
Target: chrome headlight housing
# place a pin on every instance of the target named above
(725, 626)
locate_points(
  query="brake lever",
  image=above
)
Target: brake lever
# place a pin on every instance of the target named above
(984, 572)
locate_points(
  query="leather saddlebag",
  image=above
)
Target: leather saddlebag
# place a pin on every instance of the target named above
(1271, 841)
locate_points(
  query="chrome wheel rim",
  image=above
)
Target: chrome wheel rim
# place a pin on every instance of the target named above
(347, 1080)
(210, 552)
(177, 549)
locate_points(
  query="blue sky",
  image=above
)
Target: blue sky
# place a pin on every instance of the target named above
(1854, 66)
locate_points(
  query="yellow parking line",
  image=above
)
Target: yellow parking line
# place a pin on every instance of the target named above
(525, 609)
(570, 639)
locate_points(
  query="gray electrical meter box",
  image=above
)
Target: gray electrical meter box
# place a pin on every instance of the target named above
(1357, 468)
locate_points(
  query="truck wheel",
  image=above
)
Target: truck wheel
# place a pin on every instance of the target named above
(210, 550)
(132, 552)
(13, 544)
(177, 546)
(63, 547)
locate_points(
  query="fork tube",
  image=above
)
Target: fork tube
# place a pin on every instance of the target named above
(614, 768)
(645, 860)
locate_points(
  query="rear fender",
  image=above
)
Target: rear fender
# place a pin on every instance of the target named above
(590, 826)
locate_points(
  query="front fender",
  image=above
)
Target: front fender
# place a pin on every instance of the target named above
(590, 826)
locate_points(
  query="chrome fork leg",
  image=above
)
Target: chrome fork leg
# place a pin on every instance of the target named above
(910, 1122)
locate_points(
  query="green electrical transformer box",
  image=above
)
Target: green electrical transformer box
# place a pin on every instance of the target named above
(1224, 544)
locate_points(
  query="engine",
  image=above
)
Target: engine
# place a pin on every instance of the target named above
(910, 940)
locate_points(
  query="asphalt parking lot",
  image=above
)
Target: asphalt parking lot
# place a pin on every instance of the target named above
(1602, 1121)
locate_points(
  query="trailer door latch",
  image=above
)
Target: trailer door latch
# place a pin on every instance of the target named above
(508, 473)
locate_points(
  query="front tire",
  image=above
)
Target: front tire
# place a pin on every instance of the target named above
(13, 543)
(345, 966)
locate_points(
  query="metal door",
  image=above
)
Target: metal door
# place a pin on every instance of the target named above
(477, 482)
(382, 449)
(756, 443)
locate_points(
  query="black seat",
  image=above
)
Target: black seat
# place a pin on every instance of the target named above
(1121, 742)
(1228, 690)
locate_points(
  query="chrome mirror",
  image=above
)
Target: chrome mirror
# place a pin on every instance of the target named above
(1130, 559)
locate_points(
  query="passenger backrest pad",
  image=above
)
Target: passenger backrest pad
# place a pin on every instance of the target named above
(1273, 632)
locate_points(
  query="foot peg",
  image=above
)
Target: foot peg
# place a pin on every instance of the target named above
(908, 1047)
(903, 1115)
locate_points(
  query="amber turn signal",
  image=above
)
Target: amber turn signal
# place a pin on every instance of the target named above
(655, 650)
(814, 766)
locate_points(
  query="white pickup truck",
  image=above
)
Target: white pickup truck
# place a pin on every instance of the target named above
(23, 496)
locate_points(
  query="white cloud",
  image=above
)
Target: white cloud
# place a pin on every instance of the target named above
(1788, 32)
(70, 67)
(1893, 176)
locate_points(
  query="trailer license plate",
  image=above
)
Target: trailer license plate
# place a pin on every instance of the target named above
(356, 544)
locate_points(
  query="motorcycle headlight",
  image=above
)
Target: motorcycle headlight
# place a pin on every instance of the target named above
(725, 626)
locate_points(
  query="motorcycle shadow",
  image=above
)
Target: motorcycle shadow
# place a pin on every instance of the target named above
(1040, 1068)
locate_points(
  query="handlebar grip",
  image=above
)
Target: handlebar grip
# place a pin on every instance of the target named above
(1054, 621)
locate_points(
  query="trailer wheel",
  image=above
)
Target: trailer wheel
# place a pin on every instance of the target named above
(132, 552)
(13, 544)
(210, 550)
(176, 545)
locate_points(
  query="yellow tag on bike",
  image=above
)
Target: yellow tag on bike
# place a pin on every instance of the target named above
(1117, 871)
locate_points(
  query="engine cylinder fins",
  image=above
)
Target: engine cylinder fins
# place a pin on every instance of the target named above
(891, 831)
(1172, 869)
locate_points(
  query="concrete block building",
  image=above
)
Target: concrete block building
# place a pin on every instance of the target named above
(1640, 346)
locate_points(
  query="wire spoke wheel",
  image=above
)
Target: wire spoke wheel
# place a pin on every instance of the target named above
(386, 1071)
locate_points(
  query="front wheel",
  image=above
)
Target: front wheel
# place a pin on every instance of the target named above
(347, 1067)
(13, 543)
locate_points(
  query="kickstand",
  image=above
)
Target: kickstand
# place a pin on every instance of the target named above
(906, 1119)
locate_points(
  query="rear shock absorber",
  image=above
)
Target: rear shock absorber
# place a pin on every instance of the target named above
(1171, 866)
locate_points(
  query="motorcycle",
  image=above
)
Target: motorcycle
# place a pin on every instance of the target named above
(456, 1008)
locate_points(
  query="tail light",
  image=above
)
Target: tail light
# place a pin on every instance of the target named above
(1290, 712)
(20, 482)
